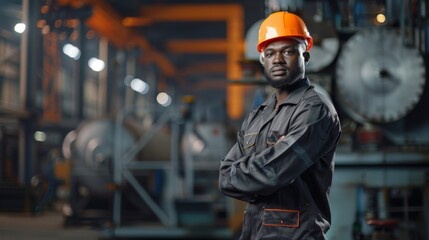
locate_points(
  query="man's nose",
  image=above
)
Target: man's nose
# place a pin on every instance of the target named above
(278, 58)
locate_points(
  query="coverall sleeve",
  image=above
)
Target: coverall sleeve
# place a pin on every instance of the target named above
(234, 156)
(313, 133)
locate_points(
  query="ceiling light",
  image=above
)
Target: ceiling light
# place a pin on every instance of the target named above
(139, 85)
(96, 64)
(381, 18)
(164, 99)
(19, 27)
(40, 136)
(71, 51)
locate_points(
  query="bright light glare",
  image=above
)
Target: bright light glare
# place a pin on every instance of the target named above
(164, 99)
(139, 85)
(40, 136)
(381, 18)
(71, 51)
(96, 64)
(19, 27)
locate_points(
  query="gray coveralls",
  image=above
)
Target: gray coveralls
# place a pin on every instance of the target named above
(282, 166)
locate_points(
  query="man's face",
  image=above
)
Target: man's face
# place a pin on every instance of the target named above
(284, 62)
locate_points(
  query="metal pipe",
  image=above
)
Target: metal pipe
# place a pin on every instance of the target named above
(23, 87)
(172, 190)
(102, 77)
(189, 164)
(81, 76)
(24, 55)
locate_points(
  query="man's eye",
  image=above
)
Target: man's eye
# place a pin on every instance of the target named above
(288, 52)
(268, 54)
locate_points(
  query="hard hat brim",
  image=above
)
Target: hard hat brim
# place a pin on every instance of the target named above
(261, 46)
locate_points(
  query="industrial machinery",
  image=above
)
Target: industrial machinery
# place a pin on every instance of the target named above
(163, 175)
(89, 152)
(382, 83)
(380, 90)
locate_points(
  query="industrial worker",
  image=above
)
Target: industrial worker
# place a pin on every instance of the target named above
(282, 163)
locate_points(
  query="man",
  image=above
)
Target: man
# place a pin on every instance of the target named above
(282, 163)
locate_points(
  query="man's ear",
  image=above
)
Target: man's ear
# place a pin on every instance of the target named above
(261, 60)
(306, 57)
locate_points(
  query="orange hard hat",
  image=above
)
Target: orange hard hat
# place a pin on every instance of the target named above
(282, 25)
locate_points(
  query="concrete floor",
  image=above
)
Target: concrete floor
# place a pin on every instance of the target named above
(47, 226)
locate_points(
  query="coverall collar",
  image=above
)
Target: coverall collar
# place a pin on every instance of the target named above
(295, 95)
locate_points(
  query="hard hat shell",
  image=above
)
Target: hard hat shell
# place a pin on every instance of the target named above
(280, 25)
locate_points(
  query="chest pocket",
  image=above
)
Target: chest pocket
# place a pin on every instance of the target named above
(249, 142)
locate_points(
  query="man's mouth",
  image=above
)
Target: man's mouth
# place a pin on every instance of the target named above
(278, 71)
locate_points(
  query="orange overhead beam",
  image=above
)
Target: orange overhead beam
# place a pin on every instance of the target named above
(136, 21)
(234, 17)
(108, 29)
(73, 3)
(108, 16)
(232, 14)
(192, 12)
(199, 46)
(166, 66)
(106, 22)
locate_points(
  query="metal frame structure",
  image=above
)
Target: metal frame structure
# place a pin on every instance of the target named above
(124, 165)
(124, 162)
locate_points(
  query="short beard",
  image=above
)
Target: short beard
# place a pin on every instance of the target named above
(277, 84)
(285, 83)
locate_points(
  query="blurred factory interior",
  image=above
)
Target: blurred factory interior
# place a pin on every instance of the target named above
(115, 114)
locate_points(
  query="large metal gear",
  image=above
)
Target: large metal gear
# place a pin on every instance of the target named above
(379, 79)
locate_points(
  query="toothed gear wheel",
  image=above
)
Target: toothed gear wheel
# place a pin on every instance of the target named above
(378, 78)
